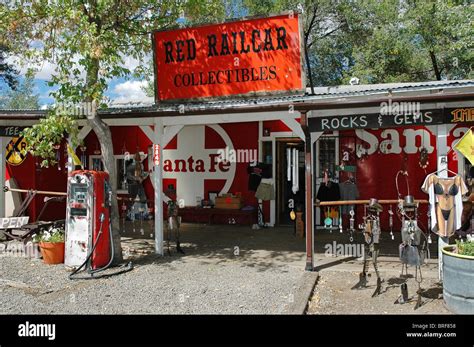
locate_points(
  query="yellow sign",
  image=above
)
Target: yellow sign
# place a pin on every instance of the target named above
(16, 151)
(466, 146)
(462, 115)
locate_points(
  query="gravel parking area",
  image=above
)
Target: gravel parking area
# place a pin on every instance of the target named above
(226, 270)
(333, 293)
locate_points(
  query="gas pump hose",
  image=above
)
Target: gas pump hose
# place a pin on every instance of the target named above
(128, 266)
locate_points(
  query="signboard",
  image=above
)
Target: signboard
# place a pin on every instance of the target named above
(10, 131)
(13, 222)
(373, 121)
(460, 115)
(156, 154)
(249, 57)
(16, 151)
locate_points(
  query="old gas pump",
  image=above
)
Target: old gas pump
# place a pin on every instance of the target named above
(88, 239)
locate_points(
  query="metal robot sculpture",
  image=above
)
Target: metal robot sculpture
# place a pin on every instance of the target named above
(412, 249)
(371, 231)
(173, 221)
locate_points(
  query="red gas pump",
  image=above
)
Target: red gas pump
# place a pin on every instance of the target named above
(88, 239)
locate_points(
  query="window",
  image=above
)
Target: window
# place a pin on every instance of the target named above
(95, 163)
(327, 155)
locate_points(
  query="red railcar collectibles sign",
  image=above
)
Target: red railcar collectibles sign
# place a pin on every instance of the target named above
(249, 57)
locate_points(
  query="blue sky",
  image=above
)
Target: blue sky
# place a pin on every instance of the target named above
(121, 90)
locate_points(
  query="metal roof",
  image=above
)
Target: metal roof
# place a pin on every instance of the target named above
(336, 95)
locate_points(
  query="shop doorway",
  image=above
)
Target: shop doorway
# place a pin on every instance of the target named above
(285, 189)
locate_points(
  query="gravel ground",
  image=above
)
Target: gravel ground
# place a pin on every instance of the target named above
(210, 279)
(333, 293)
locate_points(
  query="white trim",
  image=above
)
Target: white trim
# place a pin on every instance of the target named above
(225, 118)
(376, 109)
(158, 185)
(295, 126)
(86, 129)
(170, 132)
(272, 138)
(148, 131)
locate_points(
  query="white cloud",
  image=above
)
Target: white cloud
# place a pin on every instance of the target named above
(130, 91)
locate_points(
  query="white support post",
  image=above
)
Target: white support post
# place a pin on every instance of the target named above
(442, 148)
(86, 129)
(148, 131)
(295, 127)
(3, 141)
(70, 161)
(158, 182)
(170, 132)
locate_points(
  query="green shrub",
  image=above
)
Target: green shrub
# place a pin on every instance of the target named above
(465, 248)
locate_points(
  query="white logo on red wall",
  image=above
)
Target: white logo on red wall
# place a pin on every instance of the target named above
(191, 163)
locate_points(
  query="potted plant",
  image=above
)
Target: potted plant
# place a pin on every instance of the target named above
(458, 277)
(51, 243)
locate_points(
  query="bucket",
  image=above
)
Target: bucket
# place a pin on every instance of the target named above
(53, 252)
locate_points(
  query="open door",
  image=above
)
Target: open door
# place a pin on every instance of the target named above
(285, 190)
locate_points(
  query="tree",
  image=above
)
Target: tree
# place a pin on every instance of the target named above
(382, 41)
(416, 41)
(88, 41)
(23, 97)
(7, 73)
(327, 26)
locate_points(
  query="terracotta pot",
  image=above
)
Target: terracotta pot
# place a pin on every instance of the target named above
(52, 252)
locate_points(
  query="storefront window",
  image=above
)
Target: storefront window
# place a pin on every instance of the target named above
(327, 157)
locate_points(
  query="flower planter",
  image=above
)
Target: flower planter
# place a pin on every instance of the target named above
(458, 279)
(53, 252)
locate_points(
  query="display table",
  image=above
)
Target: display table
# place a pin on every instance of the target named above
(217, 216)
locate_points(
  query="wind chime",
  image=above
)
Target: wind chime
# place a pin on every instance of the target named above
(126, 157)
(83, 149)
(292, 176)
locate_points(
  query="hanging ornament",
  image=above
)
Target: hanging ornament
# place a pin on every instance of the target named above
(423, 162)
(57, 147)
(97, 149)
(390, 222)
(83, 156)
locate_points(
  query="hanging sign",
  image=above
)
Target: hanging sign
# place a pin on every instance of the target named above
(16, 151)
(375, 121)
(13, 222)
(156, 155)
(10, 131)
(248, 57)
(460, 115)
